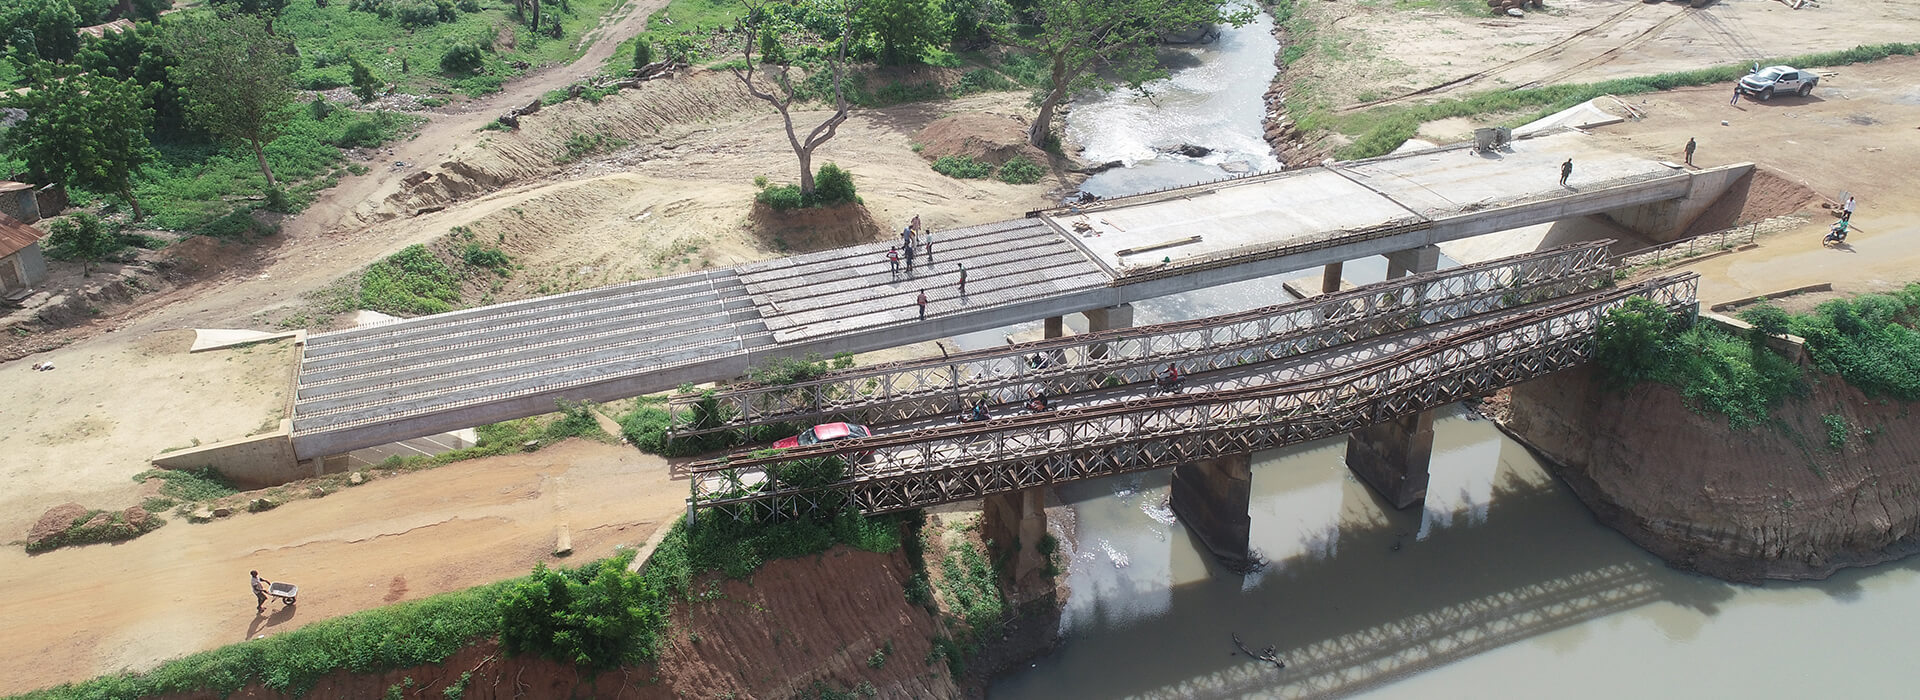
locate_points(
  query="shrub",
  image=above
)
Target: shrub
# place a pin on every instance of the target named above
(1629, 345)
(791, 370)
(236, 224)
(1767, 319)
(1868, 340)
(82, 237)
(1018, 170)
(781, 197)
(465, 57)
(1836, 430)
(411, 281)
(488, 257)
(597, 616)
(962, 166)
(832, 185)
(642, 52)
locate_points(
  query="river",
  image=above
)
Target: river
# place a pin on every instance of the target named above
(1502, 585)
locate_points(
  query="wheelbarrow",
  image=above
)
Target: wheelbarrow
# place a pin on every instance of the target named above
(284, 591)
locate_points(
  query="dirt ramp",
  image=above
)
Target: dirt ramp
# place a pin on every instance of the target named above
(808, 230)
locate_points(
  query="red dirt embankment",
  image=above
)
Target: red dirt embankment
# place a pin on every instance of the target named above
(817, 618)
(1776, 501)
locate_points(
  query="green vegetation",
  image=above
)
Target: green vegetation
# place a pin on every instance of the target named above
(189, 485)
(1715, 371)
(962, 166)
(96, 526)
(236, 77)
(647, 424)
(489, 257)
(878, 659)
(84, 129)
(1018, 170)
(1836, 430)
(1869, 341)
(832, 186)
(1380, 130)
(83, 237)
(574, 419)
(581, 145)
(410, 282)
(791, 370)
(597, 616)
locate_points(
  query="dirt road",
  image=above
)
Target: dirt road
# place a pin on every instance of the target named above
(75, 613)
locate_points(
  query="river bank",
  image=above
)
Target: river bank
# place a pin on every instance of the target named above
(1828, 484)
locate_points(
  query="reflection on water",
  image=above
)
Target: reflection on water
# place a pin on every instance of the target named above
(1502, 586)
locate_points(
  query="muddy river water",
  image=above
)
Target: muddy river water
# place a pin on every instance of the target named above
(1500, 586)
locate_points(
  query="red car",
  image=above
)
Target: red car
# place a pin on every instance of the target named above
(824, 432)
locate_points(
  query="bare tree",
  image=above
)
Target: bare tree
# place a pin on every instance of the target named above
(751, 26)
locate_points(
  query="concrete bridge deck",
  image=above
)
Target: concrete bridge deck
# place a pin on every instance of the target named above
(369, 386)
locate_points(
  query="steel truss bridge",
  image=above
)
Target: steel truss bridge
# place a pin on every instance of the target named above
(1403, 373)
(933, 386)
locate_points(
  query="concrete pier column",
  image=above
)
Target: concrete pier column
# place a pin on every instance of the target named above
(1014, 522)
(1107, 319)
(1211, 497)
(1401, 263)
(1330, 280)
(1392, 457)
(1054, 327)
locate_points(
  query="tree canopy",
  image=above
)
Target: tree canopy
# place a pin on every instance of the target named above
(904, 28)
(40, 29)
(84, 129)
(237, 78)
(1116, 36)
(82, 237)
(140, 55)
(776, 87)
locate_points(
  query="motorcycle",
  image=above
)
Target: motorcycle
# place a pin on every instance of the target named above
(1170, 385)
(1836, 234)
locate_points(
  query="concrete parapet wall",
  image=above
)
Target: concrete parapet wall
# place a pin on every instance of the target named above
(1669, 220)
(252, 462)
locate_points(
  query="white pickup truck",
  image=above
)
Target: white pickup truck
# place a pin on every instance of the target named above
(1778, 80)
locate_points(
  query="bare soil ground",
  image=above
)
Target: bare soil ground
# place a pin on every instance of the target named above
(1442, 50)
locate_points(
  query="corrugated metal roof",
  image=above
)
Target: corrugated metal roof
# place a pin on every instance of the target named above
(11, 186)
(16, 236)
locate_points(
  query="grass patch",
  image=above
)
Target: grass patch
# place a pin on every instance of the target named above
(580, 145)
(1868, 340)
(189, 485)
(1717, 373)
(94, 527)
(574, 419)
(1018, 170)
(411, 282)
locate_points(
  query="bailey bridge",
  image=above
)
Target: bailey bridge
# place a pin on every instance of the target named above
(377, 384)
(1369, 363)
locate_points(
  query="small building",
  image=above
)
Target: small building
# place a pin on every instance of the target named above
(100, 30)
(18, 201)
(21, 264)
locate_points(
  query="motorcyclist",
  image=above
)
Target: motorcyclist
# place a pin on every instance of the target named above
(1838, 232)
(1170, 378)
(978, 412)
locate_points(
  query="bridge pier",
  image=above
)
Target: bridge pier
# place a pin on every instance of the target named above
(1393, 457)
(1054, 327)
(1211, 497)
(1013, 523)
(1107, 319)
(1330, 279)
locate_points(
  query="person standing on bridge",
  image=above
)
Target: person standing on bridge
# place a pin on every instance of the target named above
(893, 261)
(963, 278)
(1690, 146)
(1566, 171)
(928, 235)
(922, 301)
(908, 250)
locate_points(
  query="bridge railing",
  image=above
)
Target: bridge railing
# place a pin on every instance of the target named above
(1689, 247)
(960, 462)
(911, 389)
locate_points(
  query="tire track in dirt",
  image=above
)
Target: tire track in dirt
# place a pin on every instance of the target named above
(1632, 43)
(1549, 51)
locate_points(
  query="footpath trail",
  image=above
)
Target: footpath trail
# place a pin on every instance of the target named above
(336, 230)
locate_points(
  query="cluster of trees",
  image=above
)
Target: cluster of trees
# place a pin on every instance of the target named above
(93, 108)
(1085, 45)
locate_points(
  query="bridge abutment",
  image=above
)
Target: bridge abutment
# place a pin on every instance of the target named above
(1211, 497)
(1714, 198)
(1392, 457)
(1014, 523)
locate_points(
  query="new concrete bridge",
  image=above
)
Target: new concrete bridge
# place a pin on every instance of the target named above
(372, 385)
